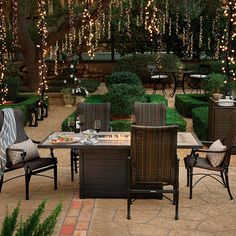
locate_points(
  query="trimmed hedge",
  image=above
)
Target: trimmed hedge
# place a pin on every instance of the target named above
(64, 124)
(156, 98)
(90, 84)
(122, 77)
(25, 102)
(174, 118)
(200, 122)
(184, 103)
(120, 125)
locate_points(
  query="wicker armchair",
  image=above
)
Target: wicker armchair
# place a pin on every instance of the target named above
(150, 114)
(31, 167)
(195, 160)
(153, 163)
(91, 112)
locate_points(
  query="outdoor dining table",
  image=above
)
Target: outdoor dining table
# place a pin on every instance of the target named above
(174, 73)
(103, 165)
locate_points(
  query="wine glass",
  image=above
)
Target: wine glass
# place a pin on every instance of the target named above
(71, 123)
(97, 125)
(81, 118)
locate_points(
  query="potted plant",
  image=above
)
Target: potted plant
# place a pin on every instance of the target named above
(68, 96)
(79, 92)
(214, 85)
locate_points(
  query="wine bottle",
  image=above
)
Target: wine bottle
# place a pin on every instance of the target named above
(77, 124)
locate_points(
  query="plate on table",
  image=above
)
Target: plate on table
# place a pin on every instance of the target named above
(64, 139)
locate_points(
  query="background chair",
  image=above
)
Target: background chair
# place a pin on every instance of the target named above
(156, 77)
(197, 77)
(150, 114)
(153, 163)
(31, 167)
(196, 160)
(91, 112)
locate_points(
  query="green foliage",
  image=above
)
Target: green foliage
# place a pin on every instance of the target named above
(90, 84)
(32, 226)
(95, 99)
(156, 98)
(121, 125)
(123, 96)
(214, 83)
(13, 84)
(23, 103)
(174, 118)
(200, 122)
(9, 222)
(138, 64)
(122, 77)
(184, 103)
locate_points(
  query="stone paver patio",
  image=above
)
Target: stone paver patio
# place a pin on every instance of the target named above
(210, 212)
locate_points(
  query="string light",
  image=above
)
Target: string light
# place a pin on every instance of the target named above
(226, 47)
(14, 22)
(3, 86)
(43, 32)
(152, 20)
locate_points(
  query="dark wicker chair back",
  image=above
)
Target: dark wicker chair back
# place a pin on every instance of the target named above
(32, 167)
(154, 163)
(150, 114)
(92, 112)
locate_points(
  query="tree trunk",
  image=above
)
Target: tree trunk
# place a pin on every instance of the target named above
(28, 49)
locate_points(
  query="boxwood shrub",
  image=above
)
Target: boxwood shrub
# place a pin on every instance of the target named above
(123, 96)
(156, 98)
(138, 64)
(122, 77)
(184, 103)
(200, 122)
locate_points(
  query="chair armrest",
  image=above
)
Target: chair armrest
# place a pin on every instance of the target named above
(206, 151)
(23, 152)
(35, 141)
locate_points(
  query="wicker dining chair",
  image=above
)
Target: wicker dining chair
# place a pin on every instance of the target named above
(149, 114)
(33, 166)
(153, 164)
(196, 160)
(91, 112)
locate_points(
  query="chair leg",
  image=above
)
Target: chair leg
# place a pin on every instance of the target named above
(227, 184)
(190, 182)
(128, 205)
(72, 167)
(55, 176)
(187, 177)
(176, 203)
(75, 159)
(1, 183)
(27, 182)
(222, 177)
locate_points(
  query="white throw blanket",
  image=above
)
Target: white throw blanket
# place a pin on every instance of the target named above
(7, 136)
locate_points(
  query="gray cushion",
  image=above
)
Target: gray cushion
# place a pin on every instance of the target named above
(216, 158)
(14, 157)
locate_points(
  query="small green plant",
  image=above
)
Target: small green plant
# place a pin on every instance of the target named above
(32, 226)
(214, 83)
(123, 77)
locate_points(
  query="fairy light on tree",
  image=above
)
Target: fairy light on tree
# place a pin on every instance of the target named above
(3, 87)
(227, 44)
(14, 22)
(43, 32)
(71, 25)
(152, 20)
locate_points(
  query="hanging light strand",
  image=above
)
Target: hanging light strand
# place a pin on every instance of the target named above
(14, 23)
(43, 32)
(3, 51)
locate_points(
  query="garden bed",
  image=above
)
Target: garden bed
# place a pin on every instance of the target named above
(185, 103)
(23, 102)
